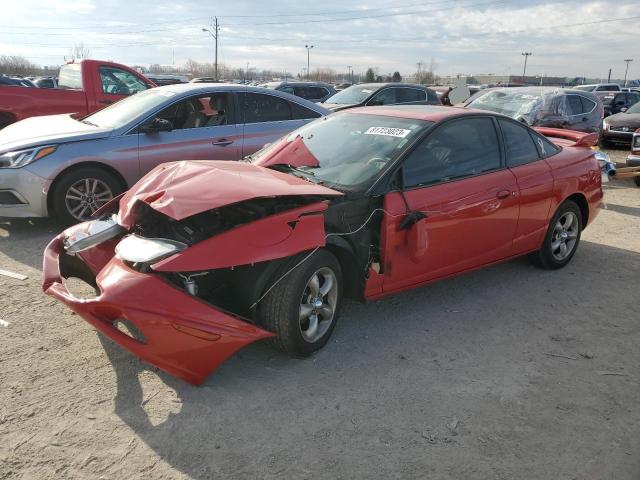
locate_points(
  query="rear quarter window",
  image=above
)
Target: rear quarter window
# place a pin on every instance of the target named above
(70, 77)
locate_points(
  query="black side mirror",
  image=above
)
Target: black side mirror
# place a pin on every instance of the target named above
(157, 125)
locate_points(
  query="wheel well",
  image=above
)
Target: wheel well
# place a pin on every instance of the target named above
(581, 201)
(101, 166)
(351, 271)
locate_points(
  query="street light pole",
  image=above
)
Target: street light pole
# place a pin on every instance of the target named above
(308, 47)
(216, 29)
(524, 70)
(350, 74)
(628, 60)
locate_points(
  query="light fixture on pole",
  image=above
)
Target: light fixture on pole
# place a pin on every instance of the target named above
(628, 60)
(214, 34)
(308, 47)
(524, 70)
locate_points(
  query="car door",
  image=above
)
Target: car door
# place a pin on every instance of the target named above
(200, 132)
(457, 180)
(525, 152)
(266, 118)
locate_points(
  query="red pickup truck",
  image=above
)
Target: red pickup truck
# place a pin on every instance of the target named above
(83, 87)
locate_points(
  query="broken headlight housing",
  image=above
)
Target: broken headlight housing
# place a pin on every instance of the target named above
(137, 249)
(94, 233)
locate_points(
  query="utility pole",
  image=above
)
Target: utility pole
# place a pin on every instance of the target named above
(308, 47)
(214, 34)
(524, 70)
(350, 74)
(626, 70)
(419, 79)
(609, 77)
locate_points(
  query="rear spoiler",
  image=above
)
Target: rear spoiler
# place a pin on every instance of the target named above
(581, 139)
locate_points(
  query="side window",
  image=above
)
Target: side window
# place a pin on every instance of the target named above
(302, 92)
(287, 89)
(457, 149)
(575, 105)
(406, 95)
(258, 108)
(587, 105)
(519, 146)
(120, 82)
(432, 98)
(210, 110)
(386, 96)
(633, 98)
(301, 113)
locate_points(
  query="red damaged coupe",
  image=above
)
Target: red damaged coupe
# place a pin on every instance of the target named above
(201, 258)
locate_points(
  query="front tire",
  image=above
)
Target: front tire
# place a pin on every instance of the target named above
(302, 309)
(80, 192)
(562, 237)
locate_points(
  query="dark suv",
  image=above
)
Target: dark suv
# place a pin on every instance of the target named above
(312, 91)
(369, 94)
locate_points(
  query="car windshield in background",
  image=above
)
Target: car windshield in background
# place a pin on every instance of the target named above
(586, 88)
(511, 104)
(351, 95)
(121, 113)
(345, 149)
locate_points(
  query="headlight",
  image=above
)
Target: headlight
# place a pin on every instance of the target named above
(95, 233)
(136, 249)
(605, 125)
(20, 158)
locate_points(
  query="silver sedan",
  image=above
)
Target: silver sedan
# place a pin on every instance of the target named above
(66, 167)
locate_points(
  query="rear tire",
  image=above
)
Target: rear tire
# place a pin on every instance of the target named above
(80, 192)
(562, 238)
(302, 309)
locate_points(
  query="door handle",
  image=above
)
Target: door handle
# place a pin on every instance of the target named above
(223, 142)
(105, 102)
(502, 194)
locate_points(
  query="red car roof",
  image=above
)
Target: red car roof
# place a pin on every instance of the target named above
(432, 113)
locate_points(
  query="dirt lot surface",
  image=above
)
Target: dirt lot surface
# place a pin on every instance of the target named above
(507, 373)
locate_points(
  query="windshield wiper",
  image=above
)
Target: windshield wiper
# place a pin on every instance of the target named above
(87, 122)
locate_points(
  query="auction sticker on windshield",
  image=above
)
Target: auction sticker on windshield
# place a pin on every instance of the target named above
(388, 132)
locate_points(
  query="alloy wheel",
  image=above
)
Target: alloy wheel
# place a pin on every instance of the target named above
(318, 305)
(565, 236)
(85, 196)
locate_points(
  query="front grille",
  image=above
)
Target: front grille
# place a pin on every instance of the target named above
(7, 197)
(622, 129)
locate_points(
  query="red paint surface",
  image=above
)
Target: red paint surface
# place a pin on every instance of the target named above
(185, 336)
(276, 236)
(182, 189)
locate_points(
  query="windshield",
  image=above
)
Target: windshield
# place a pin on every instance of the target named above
(121, 113)
(343, 149)
(634, 109)
(351, 95)
(512, 104)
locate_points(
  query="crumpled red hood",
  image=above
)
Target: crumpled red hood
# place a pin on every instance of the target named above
(186, 188)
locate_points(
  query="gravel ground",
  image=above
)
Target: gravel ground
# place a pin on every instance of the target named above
(506, 373)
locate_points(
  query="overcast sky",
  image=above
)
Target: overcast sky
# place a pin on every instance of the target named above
(468, 36)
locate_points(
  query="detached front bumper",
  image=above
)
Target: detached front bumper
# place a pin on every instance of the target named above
(183, 335)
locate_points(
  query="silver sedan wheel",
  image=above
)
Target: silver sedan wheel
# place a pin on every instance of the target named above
(85, 197)
(565, 236)
(318, 305)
